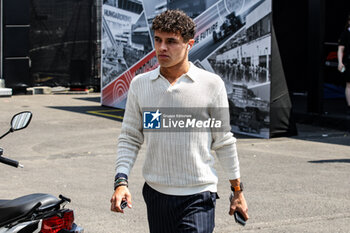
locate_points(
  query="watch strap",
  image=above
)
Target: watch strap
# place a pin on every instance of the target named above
(237, 188)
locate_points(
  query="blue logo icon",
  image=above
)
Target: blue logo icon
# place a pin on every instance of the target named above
(151, 120)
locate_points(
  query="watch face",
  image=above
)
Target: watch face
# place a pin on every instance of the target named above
(234, 5)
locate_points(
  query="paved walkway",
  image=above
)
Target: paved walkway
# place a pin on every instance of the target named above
(296, 184)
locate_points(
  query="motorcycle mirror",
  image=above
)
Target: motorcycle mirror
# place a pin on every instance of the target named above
(20, 120)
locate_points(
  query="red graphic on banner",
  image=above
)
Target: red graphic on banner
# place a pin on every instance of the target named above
(116, 91)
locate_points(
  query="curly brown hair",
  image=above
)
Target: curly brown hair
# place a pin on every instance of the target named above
(175, 21)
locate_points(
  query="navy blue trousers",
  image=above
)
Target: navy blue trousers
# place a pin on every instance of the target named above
(180, 214)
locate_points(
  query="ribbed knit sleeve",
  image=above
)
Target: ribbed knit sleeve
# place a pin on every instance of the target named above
(131, 136)
(223, 142)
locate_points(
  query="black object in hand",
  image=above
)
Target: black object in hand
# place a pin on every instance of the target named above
(123, 204)
(239, 218)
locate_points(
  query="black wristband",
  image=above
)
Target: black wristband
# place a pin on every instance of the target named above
(116, 185)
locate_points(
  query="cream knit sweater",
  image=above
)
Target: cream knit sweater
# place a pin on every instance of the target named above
(176, 163)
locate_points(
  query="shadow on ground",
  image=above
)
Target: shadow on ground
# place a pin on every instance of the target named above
(90, 99)
(99, 111)
(331, 161)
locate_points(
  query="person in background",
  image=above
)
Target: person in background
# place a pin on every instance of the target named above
(344, 59)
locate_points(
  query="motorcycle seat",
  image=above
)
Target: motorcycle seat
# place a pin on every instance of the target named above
(11, 210)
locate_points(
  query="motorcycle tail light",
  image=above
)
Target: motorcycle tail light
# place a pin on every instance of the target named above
(55, 224)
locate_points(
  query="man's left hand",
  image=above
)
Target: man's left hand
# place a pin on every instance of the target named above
(238, 203)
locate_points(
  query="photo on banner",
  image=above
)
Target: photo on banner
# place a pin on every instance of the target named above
(233, 40)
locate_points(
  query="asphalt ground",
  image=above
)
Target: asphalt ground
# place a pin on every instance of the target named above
(292, 184)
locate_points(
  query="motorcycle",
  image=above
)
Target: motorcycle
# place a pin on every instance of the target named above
(38, 212)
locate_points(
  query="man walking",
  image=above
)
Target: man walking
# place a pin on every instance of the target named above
(181, 182)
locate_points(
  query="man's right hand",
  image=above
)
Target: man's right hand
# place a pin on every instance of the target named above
(340, 66)
(120, 194)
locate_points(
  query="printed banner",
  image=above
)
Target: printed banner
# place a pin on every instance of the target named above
(233, 40)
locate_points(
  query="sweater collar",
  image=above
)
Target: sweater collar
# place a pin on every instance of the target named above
(191, 73)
